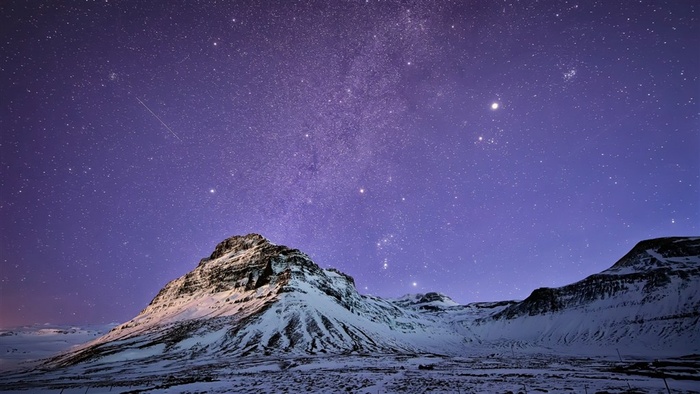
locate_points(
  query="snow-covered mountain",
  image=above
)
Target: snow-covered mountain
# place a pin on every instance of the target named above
(254, 297)
(649, 301)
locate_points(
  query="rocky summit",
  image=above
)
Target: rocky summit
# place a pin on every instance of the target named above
(251, 297)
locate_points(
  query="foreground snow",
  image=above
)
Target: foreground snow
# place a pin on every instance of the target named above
(21, 346)
(496, 372)
(513, 367)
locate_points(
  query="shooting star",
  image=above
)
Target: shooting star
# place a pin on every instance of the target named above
(161, 122)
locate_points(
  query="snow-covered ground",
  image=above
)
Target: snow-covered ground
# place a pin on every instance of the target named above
(481, 369)
(481, 372)
(20, 346)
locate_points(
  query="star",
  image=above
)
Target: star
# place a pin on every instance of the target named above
(494, 106)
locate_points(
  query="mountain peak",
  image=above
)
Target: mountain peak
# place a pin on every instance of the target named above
(238, 243)
(244, 262)
(657, 253)
(239, 269)
(431, 301)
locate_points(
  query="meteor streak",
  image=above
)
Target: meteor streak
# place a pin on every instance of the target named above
(161, 122)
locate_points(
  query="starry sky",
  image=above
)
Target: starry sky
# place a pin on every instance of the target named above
(477, 148)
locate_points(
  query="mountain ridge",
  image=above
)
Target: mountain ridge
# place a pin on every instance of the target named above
(640, 262)
(251, 296)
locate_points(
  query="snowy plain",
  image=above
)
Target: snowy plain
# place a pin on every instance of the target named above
(23, 345)
(507, 368)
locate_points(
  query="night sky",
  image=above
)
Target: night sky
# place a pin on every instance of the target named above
(479, 148)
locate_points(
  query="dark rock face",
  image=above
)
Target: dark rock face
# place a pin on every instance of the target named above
(668, 248)
(237, 243)
(431, 297)
(239, 262)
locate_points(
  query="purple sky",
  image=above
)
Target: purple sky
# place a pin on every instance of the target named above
(481, 150)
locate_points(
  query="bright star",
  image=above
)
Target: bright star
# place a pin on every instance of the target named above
(494, 106)
(212, 191)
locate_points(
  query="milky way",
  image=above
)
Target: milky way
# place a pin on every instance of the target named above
(479, 149)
